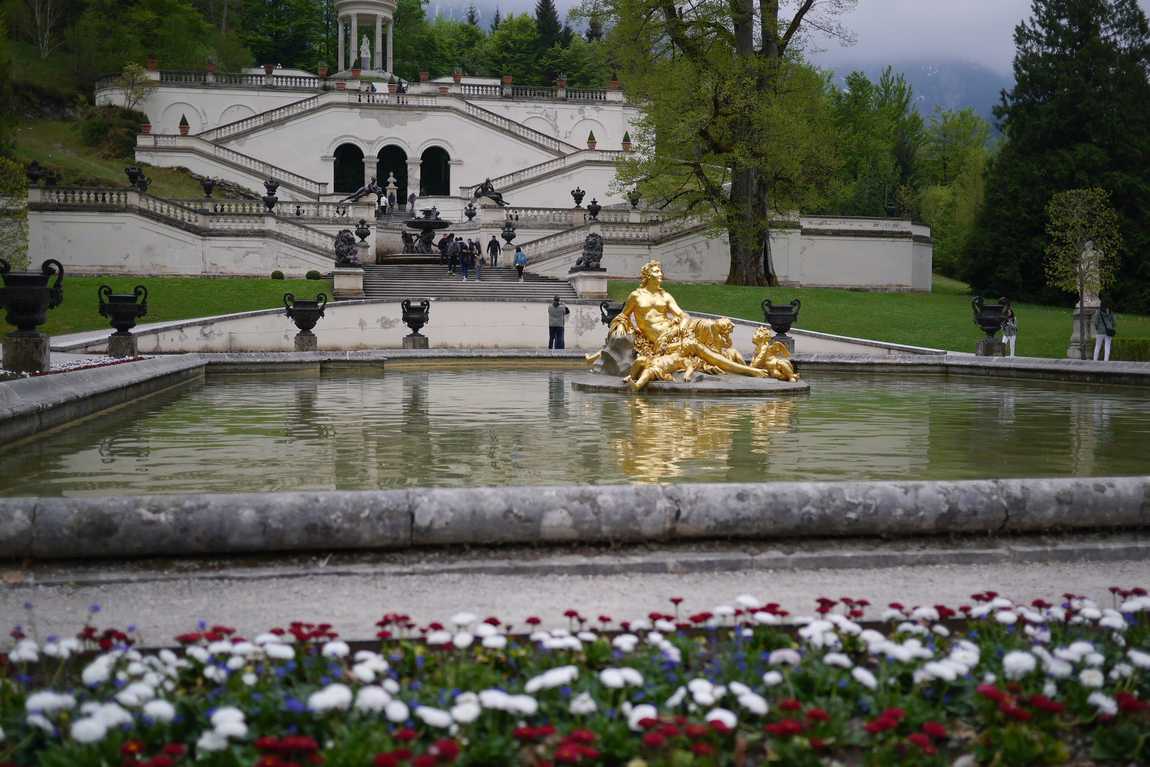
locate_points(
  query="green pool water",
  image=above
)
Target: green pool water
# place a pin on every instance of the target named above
(453, 427)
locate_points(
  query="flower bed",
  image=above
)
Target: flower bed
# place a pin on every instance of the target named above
(743, 684)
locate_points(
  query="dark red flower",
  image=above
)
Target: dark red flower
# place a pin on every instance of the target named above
(695, 731)
(676, 601)
(653, 740)
(818, 715)
(923, 742)
(648, 722)
(175, 750)
(423, 760)
(784, 728)
(700, 748)
(934, 730)
(1129, 702)
(533, 621)
(445, 751)
(790, 704)
(879, 725)
(1043, 703)
(386, 760)
(406, 735)
(991, 692)
(586, 737)
(1014, 712)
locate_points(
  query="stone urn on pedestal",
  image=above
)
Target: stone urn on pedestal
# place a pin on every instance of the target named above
(780, 318)
(415, 316)
(123, 309)
(989, 318)
(270, 199)
(305, 314)
(27, 296)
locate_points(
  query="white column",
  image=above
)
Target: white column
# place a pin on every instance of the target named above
(354, 42)
(339, 67)
(377, 51)
(390, 45)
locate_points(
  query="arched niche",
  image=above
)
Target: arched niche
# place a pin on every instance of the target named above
(392, 159)
(434, 172)
(347, 173)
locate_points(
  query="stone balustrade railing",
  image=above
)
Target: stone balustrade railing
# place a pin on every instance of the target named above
(652, 229)
(327, 212)
(262, 169)
(546, 167)
(259, 120)
(183, 213)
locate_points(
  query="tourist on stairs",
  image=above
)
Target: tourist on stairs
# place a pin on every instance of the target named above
(493, 250)
(520, 261)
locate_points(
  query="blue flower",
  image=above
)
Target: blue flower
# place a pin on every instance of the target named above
(27, 605)
(93, 608)
(294, 705)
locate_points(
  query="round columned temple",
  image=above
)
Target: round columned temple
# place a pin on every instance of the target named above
(361, 34)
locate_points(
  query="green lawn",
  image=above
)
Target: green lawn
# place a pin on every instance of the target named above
(56, 144)
(172, 298)
(942, 319)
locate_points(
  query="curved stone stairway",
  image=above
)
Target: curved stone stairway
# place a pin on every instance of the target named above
(397, 281)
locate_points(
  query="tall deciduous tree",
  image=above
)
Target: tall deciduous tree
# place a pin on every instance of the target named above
(740, 123)
(1078, 116)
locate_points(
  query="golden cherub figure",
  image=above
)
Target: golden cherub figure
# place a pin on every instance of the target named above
(668, 341)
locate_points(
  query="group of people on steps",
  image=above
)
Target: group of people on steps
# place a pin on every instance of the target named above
(465, 256)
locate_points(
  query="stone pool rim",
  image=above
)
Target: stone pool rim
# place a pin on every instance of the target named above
(221, 524)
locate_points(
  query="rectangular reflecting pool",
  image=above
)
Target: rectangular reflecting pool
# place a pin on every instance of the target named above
(453, 427)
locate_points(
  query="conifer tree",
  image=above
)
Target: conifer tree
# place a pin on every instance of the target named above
(472, 15)
(1078, 116)
(496, 19)
(547, 23)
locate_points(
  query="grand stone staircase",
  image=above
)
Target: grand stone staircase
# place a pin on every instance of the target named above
(431, 280)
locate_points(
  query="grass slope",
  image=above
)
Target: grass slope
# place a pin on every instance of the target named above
(171, 298)
(57, 144)
(942, 319)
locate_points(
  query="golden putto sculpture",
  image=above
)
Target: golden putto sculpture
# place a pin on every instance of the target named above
(667, 341)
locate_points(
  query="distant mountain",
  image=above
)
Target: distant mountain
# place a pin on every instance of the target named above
(947, 84)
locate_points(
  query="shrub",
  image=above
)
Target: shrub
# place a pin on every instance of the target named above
(314, 275)
(112, 130)
(1131, 349)
(277, 275)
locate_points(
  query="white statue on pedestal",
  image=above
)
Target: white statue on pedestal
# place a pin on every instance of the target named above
(365, 53)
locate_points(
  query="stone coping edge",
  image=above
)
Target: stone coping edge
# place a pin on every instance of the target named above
(218, 524)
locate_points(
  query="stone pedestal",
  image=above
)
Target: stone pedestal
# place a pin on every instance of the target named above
(122, 345)
(1077, 343)
(589, 284)
(305, 341)
(415, 341)
(990, 347)
(347, 282)
(785, 340)
(27, 352)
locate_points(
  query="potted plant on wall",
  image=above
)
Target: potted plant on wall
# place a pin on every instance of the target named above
(591, 142)
(356, 70)
(392, 86)
(626, 141)
(184, 127)
(424, 75)
(145, 128)
(457, 75)
(153, 63)
(323, 71)
(211, 66)
(269, 68)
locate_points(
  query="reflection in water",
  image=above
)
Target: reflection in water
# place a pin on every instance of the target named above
(454, 428)
(669, 436)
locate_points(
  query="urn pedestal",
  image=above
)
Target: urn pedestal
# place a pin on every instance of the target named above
(27, 297)
(415, 316)
(27, 352)
(305, 313)
(989, 318)
(780, 318)
(347, 283)
(123, 309)
(589, 284)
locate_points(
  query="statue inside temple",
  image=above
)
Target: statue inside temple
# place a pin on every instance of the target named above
(672, 346)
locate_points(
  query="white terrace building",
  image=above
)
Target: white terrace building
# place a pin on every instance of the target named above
(323, 137)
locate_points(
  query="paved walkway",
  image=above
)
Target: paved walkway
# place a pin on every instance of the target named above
(163, 599)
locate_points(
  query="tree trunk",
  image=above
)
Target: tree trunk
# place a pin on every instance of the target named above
(742, 233)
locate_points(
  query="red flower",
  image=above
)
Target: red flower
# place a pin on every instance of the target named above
(719, 727)
(790, 704)
(702, 617)
(533, 621)
(445, 751)
(132, 748)
(923, 742)
(818, 744)
(174, 750)
(934, 730)
(991, 692)
(880, 725)
(695, 731)
(586, 737)
(1129, 702)
(423, 760)
(897, 714)
(784, 728)
(702, 749)
(570, 613)
(1043, 703)
(1014, 712)
(386, 760)
(653, 740)
(818, 715)
(648, 722)
(383, 634)
(406, 735)
(189, 638)
(676, 601)
(604, 618)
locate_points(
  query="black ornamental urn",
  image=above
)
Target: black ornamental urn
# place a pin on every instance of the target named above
(470, 210)
(415, 316)
(989, 318)
(270, 199)
(593, 209)
(508, 233)
(208, 185)
(123, 309)
(305, 314)
(577, 194)
(633, 198)
(27, 296)
(780, 318)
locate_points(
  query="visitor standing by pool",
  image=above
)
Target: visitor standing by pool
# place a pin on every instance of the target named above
(1010, 330)
(520, 261)
(1105, 328)
(411, 202)
(556, 320)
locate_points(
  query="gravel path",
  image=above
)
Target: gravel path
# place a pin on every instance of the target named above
(165, 600)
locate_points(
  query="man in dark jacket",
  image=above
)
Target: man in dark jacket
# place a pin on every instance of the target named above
(556, 320)
(493, 251)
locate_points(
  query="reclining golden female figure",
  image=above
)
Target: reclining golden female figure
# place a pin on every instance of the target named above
(668, 341)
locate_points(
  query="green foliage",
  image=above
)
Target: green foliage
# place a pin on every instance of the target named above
(880, 135)
(111, 130)
(1131, 349)
(6, 97)
(512, 48)
(547, 24)
(287, 32)
(1078, 116)
(12, 180)
(1082, 254)
(135, 84)
(950, 170)
(313, 275)
(277, 275)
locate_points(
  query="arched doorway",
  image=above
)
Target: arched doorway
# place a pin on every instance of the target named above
(348, 171)
(392, 159)
(434, 172)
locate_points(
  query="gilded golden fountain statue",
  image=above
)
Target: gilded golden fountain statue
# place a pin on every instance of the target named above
(667, 341)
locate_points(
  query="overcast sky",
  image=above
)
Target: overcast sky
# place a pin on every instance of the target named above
(980, 31)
